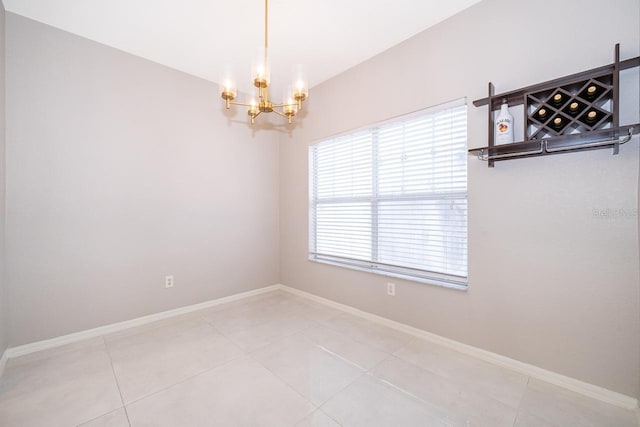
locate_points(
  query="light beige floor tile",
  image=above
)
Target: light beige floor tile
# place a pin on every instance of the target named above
(273, 328)
(435, 358)
(321, 313)
(112, 419)
(369, 333)
(474, 374)
(243, 317)
(560, 407)
(239, 393)
(525, 419)
(451, 400)
(62, 387)
(310, 369)
(369, 402)
(151, 361)
(317, 419)
(357, 353)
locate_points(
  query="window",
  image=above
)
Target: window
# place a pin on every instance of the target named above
(392, 199)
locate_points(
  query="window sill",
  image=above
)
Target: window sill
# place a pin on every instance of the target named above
(428, 281)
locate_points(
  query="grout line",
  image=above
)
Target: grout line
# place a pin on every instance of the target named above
(330, 417)
(113, 369)
(336, 355)
(277, 377)
(185, 379)
(366, 344)
(225, 336)
(126, 414)
(270, 339)
(389, 356)
(316, 407)
(100, 416)
(526, 389)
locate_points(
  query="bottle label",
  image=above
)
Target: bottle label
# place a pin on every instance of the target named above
(503, 124)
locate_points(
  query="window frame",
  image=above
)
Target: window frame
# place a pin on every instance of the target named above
(377, 267)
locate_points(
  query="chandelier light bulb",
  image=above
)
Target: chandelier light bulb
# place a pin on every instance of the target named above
(289, 108)
(228, 90)
(260, 69)
(300, 93)
(228, 85)
(253, 110)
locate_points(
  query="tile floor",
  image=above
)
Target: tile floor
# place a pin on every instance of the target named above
(279, 360)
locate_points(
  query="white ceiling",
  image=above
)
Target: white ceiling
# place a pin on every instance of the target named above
(202, 37)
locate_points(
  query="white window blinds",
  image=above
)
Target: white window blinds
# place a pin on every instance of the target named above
(393, 198)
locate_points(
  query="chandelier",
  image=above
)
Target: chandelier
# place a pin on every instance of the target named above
(261, 80)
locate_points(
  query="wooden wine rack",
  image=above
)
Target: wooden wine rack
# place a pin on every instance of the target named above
(576, 111)
(572, 113)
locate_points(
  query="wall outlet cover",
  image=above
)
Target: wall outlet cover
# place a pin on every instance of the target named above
(391, 289)
(168, 282)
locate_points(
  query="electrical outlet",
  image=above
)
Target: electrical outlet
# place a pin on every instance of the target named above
(391, 289)
(168, 282)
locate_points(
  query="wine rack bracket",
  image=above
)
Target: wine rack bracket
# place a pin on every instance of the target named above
(572, 113)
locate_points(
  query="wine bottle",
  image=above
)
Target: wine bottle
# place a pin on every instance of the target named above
(557, 99)
(557, 123)
(504, 125)
(574, 108)
(591, 116)
(542, 115)
(591, 92)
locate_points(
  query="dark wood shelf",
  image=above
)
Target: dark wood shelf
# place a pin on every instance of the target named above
(593, 140)
(572, 113)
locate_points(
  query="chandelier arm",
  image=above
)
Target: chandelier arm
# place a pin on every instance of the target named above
(291, 104)
(241, 103)
(280, 114)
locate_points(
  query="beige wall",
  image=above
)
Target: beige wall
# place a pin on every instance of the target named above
(121, 171)
(549, 283)
(3, 300)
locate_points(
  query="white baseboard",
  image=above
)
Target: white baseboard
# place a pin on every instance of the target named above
(115, 327)
(569, 383)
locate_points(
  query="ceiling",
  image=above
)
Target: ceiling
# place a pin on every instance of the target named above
(203, 37)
